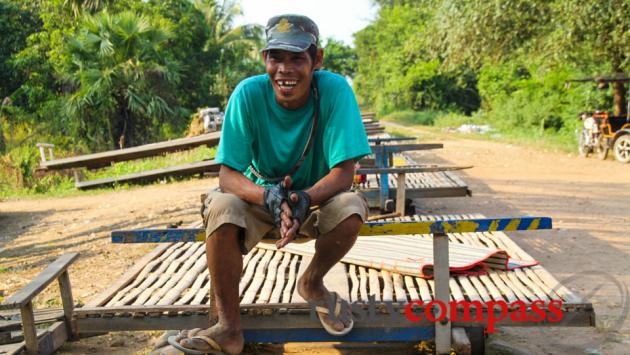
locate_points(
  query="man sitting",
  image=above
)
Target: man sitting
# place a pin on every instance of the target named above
(289, 143)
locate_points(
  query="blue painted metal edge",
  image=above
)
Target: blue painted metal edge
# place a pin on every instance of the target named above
(356, 335)
(369, 228)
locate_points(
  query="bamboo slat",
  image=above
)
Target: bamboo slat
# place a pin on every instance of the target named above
(270, 278)
(280, 279)
(375, 287)
(258, 279)
(388, 289)
(354, 291)
(249, 271)
(411, 288)
(363, 283)
(399, 288)
(288, 289)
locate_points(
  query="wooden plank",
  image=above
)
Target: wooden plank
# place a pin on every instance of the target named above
(470, 290)
(41, 316)
(170, 253)
(127, 277)
(363, 281)
(65, 289)
(532, 285)
(148, 276)
(193, 260)
(423, 288)
(167, 279)
(288, 289)
(481, 289)
(409, 170)
(551, 281)
(513, 282)
(279, 284)
(296, 298)
(28, 327)
(259, 278)
(400, 195)
(411, 288)
(388, 288)
(182, 283)
(249, 272)
(209, 166)
(506, 291)
(456, 292)
(494, 291)
(375, 287)
(337, 280)
(354, 291)
(194, 289)
(40, 282)
(102, 159)
(399, 288)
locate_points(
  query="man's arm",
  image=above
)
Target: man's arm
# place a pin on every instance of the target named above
(234, 182)
(338, 180)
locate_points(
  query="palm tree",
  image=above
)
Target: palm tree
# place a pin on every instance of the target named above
(232, 47)
(122, 78)
(78, 6)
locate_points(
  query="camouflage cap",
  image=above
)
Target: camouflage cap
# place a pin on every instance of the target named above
(293, 33)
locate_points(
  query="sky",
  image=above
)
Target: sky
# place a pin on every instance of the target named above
(335, 18)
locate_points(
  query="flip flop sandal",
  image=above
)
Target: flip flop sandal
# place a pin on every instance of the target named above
(215, 348)
(325, 310)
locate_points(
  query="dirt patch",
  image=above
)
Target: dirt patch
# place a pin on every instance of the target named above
(588, 199)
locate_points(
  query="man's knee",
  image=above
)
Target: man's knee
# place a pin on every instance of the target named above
(220, 202)
(226, 232)
(352, 225)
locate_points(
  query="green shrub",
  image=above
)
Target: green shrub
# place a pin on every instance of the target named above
(425, 117)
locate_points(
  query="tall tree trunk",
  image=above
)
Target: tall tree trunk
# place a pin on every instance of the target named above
(619, 98)
(619, 89)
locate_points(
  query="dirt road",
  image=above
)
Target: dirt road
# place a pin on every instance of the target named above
(589, 247)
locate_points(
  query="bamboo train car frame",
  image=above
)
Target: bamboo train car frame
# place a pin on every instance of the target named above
(416, 181)
(168, 289)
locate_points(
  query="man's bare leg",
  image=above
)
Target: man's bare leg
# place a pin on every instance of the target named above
(329, 249)
(225, 265)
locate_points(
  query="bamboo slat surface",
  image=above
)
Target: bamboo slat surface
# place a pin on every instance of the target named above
(178, 276)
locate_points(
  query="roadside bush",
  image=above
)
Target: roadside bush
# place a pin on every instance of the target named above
(425, 117)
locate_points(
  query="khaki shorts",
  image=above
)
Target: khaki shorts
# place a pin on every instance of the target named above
(219, 208)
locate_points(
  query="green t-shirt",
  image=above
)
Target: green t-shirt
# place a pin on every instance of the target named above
(258, 131)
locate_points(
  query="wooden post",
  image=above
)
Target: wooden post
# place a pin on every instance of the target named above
(441, 275)
(28, 327)
(42, 153)
(66, 300)
(400, 194)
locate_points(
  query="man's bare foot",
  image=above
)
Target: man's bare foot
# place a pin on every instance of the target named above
(315, 291)
(230, 341)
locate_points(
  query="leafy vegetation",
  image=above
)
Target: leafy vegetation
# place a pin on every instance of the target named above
(93, 75)
(502, 63)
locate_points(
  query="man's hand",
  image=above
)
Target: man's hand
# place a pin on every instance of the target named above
(300, 203)
(273, 199)
(289, 226)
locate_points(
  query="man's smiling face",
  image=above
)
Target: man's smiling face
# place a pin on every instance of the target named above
(291, 74)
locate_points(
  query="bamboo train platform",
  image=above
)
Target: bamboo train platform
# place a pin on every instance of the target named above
(430, 184)
(168, 289)
(202, 167)
(102, 159)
